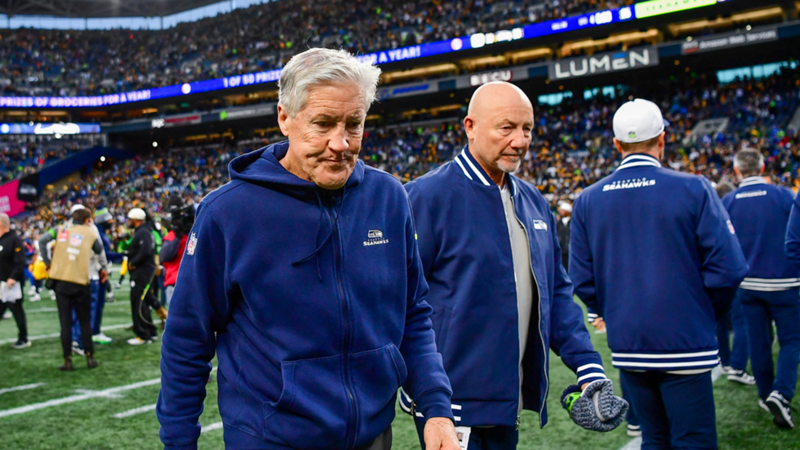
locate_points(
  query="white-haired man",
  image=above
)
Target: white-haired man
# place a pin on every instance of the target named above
(760, 212)
(302, 274)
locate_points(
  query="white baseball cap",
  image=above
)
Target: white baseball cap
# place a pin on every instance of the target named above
(76, 207)
(566, 207)
(137, 214)
(638, 121)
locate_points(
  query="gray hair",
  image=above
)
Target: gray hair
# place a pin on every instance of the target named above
(5, 221)
(724, 188)
(749, 161)
(322, 66)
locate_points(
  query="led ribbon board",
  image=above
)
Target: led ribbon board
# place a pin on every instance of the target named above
(659, 7)
(49, 128)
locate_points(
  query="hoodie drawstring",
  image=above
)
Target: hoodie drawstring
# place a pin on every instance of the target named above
(316, 251)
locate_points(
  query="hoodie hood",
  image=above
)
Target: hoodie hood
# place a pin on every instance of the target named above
(263, 166)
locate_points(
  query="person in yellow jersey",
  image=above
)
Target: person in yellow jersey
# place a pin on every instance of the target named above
(70, 276)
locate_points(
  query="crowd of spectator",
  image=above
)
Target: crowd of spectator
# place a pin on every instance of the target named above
(20, 157)
(143, 182)
(572, 148)
(262, 37)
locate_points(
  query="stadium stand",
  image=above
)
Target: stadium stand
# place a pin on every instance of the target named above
(59, 62)
(572, 148)
(20, 157)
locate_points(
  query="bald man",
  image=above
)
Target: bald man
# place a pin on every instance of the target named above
(500, 294)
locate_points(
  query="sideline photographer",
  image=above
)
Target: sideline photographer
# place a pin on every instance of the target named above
(181, 219)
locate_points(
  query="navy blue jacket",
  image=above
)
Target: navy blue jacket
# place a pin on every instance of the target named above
(760, 213)
(466, 253)
(314, 302)
(792, 241)
(650, 251)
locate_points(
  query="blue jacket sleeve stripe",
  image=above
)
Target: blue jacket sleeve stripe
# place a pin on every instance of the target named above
(589, 373)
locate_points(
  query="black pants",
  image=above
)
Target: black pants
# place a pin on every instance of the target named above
(19, 317)
(69, 296)
(142, 300)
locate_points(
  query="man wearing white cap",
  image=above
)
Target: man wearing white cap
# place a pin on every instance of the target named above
(654, 253)
(142, 266)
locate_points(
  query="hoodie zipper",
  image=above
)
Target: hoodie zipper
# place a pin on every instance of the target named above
(345, 313)
(539, 309)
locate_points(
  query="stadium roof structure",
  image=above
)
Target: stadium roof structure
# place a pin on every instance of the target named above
(99, 8)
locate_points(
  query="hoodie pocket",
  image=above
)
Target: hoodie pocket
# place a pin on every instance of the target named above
(311, 412)
(376, 375)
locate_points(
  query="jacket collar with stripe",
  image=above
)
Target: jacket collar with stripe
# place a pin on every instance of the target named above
(752, 181)
(638, 160)
(474, 172)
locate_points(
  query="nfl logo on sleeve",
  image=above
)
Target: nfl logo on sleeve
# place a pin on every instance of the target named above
(730, 227)
(192, 245)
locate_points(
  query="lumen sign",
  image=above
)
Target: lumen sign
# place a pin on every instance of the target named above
(602, 63)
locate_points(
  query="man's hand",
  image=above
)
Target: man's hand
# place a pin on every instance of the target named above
(11, 282)
(596, 408)
(103, 276)
(440, 434)
(599, 324)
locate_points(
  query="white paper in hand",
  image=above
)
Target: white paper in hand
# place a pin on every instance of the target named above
(463, 436)
(11, 294)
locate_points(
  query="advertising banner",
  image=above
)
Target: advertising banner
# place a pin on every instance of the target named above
(720, 42)
(9, 203)
(602, 63)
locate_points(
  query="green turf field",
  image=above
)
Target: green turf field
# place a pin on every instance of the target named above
(84, 419)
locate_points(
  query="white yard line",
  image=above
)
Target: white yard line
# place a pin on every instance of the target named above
(55, 335)
(634, 444)
(77, 398)
(49, 309)
(212, 427)
(105, 393)
(40, 310)
(21, 388)
(135, 411)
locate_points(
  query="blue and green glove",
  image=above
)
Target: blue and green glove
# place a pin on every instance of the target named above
(596, 408)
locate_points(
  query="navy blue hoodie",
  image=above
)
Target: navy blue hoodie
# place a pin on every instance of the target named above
(314, 302)
(653, 252)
